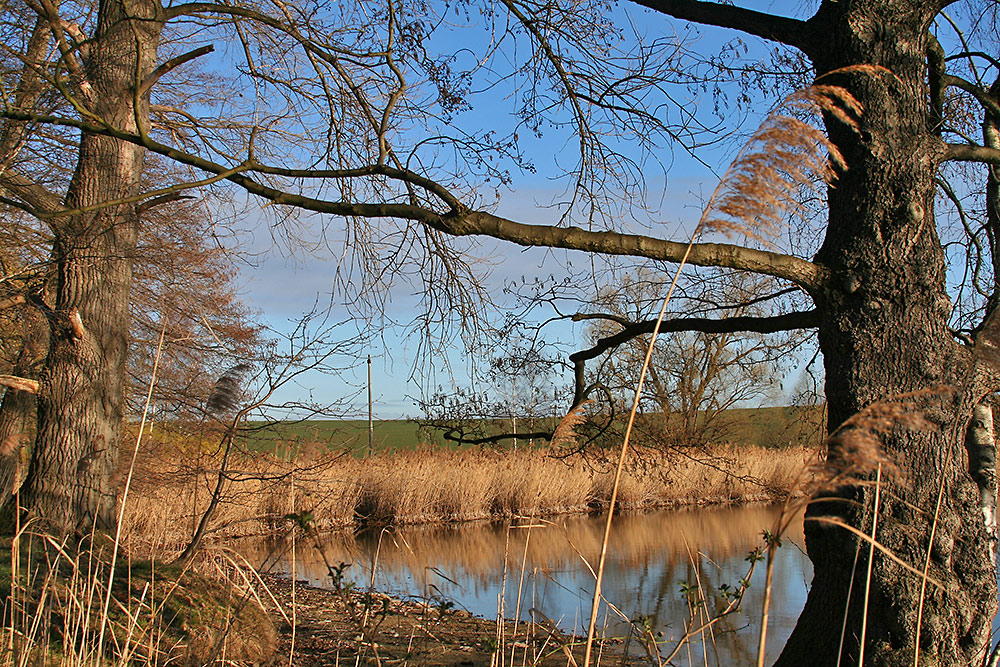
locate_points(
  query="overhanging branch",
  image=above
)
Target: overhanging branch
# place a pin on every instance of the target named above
(465, 222)
(804, 273)
(792, 32)
(787, 322)
(970, 153)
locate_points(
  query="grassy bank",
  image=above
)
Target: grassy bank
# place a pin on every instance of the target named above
(407, 632)
(435, 485)
(61, 606)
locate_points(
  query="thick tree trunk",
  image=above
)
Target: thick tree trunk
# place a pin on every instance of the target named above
(883, 333)
(81, 405)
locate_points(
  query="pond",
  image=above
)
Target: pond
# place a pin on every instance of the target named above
(664, 569)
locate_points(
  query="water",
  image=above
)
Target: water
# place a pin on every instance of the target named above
(542, 568)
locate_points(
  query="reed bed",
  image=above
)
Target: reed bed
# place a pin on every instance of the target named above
(440, 486)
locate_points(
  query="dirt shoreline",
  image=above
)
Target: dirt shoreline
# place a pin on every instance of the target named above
(334, 628)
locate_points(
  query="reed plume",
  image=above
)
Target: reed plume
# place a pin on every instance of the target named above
(565, 432)
(785, 154)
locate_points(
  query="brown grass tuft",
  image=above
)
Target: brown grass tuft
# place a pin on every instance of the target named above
(565, 433)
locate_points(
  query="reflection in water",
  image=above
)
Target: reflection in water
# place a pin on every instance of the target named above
(653, 556)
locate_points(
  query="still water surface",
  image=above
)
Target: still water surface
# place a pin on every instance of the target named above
(542, 568)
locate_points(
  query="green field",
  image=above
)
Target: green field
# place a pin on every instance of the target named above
(338, 435)
(768, 427)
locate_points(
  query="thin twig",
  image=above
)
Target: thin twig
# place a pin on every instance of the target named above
(762, 644)
(621, 459)
(927, 567)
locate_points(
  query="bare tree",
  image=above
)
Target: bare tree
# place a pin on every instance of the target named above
(184, 289)
(694, 376)
(356, 111)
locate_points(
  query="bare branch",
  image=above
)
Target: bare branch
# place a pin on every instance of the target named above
(159, 201)
(454, 435)
(935, 79)
(804, 273)
(171, 64)
(463, 222)
(404, 175)
(39, 199)
(29, 88)
(69, 52)
(792, 32)
(787, 322)
(976, 54)
(19, 384)
(970, 153)
(991, 106)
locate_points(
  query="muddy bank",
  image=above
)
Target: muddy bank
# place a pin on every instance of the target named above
(331, 627)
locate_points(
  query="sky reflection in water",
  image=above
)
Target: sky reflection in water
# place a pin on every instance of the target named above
(652, 556)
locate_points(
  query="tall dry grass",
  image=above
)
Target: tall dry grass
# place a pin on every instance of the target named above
(435, 486)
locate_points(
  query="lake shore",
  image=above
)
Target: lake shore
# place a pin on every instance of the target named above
(169, 492)
(331, 627)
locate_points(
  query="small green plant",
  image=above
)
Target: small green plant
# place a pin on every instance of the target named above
(691, 593)
(442, 605)
(336, 574)
(304, 520)
(772, 540)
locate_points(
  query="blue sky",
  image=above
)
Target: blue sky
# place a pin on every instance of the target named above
(284, 285)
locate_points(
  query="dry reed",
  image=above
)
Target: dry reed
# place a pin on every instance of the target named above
(436, 486)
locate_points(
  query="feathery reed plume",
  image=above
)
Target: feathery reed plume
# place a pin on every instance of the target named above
(227, 391)
(784, 155)
(565, 433)
(856, 446)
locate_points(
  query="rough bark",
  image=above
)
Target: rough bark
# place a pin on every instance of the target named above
(18, 407)
(70, 483)
(883, 332)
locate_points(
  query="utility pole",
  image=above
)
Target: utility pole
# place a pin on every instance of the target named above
(513, 408)
(371, 421)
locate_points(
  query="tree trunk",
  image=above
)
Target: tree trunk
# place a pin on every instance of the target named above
(884, 332)
(18, 407)
(81, 403)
